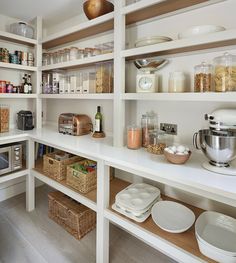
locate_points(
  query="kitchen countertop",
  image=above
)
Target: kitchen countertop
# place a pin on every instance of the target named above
(190, 177)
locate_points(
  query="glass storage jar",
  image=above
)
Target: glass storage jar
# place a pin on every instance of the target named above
(60, 56)
(88, 52)
(157, 142)
(66, 56)
(203, 77)
(44, 59)
(149, 124)
(104, 77)
(55, 57)
(177, 82)
(225, 73)
(134, 137)
(73, 53)
(80, 53)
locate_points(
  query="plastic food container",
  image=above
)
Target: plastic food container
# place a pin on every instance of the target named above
(22, 29)
(225, 73)
(203, 77)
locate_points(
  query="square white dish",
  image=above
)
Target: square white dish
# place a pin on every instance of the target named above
(218, 231)
(137, 197)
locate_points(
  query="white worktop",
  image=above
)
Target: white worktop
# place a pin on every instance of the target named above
(190, 177)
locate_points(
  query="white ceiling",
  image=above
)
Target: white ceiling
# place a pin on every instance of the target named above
(52, 11)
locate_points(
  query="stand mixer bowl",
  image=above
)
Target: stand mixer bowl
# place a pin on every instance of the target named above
(219, 149)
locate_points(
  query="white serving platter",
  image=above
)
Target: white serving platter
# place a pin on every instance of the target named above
(172, 217)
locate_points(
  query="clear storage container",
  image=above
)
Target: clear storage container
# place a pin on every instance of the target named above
(177, 82)
(149, 123)
(225, 73)
(157, 142)
(104, 77)
(203, 77)
(22, 29)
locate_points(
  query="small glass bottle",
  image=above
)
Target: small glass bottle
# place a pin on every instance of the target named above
(177, 82)
(203, 77)
(134, 137)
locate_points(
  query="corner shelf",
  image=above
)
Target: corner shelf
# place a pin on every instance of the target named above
(17, 96)
(182, 246)
(80, 63)
(75, 96)
(17, 39)
(17, 67)
(147, 9)
(214, 40)
(187, 96)
(88, 199)
(89, 28)
(14, 175)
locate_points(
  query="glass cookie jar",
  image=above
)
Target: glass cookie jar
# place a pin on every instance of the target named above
(157, 142)
(225, 73)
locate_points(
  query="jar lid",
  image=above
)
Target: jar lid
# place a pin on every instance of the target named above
(227, 58)
(203, 66)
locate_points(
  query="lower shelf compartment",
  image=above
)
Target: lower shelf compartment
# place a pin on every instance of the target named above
(88, 199)
(182, 247)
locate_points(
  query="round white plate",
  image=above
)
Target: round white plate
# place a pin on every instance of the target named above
(200, 30)
(146, 41)
(172, 217)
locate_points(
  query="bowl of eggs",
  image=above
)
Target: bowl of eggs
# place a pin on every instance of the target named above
(177, 154)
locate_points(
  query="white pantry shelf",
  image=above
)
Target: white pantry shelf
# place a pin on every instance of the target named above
(214, 40)
(191, 96)
(98, 96)
(17, 67)
(14, 175)
(17, 96)
(147, 9)
(65, 189)
(17, 39)
(79, 63)
(89, 28)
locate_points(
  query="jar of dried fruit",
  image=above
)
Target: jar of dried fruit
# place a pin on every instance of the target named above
(203, 77)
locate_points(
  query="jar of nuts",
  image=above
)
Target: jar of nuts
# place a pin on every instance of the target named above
(203, 77)
(157, 142)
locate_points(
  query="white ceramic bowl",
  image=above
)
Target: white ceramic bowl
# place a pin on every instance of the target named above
(210, 252)
(218, 232)
(200, 30)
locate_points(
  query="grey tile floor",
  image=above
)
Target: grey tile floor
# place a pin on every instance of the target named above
(34, 238)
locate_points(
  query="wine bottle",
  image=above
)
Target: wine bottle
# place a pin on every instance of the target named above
(26, 86)
(29, 84)
(98, 121)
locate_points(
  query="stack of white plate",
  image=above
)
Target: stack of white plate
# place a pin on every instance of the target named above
(216, 236)
(146, 41)
(136, 201)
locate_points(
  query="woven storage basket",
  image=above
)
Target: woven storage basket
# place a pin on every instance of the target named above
(57, 169)
(74, 217)
(83, 182)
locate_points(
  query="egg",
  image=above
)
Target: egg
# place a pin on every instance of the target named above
(180, 148)
(179, 153)
(173, 148)
(186, 152)
(170, 151)
(187, 149)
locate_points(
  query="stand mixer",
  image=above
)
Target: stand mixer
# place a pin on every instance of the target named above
(218, 143)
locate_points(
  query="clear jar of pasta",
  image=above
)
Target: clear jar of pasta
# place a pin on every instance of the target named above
(225, 73)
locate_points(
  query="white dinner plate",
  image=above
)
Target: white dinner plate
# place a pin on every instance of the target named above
(146, 41)
(200, 30)
(172, 217)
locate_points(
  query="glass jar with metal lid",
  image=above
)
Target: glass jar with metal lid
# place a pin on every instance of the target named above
(203, 77)
(225, 73)
(157, 142)
(73, 53)
(66, 55)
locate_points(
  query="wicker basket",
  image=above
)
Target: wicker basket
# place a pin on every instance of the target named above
(83, 182)
(57, 169)
(74, 217)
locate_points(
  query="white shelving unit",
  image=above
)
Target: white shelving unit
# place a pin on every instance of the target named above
(17, 67)
(17, 39)
(190, 178)
(17, 96)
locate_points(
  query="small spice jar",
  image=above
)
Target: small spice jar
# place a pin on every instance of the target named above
(73, 53)
(157, 142)
(66, 55)
(134, 137)
(225, 73)
(177, 82)
(203, 77)
(88, 52)
(80, 53)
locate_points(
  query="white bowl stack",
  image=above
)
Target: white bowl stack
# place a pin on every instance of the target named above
(136, 201)
(216, 236)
